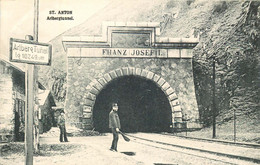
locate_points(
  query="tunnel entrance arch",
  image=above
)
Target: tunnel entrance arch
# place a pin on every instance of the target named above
(161, 96)
(143, 106)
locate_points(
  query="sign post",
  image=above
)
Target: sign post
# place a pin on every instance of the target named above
(31, 53)
(29, 110)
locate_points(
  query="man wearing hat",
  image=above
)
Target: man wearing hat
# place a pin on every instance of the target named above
(61, 124)
(114, 124)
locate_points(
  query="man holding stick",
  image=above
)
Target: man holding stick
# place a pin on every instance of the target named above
(114, 124)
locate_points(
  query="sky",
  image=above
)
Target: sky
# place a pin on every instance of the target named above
(16, 18)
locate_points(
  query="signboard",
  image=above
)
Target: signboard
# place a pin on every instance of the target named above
(30, 52)
(119, 52)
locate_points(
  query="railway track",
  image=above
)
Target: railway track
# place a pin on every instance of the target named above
(251, 145)
(214, 155)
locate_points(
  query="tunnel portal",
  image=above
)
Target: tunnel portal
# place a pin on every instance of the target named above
(143, 107)
(150, 76)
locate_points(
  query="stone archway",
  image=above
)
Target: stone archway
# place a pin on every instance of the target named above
(94, 88)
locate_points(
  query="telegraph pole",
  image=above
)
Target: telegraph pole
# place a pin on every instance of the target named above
(31, 86)
(235, 125)
(35, 37)
(30, 94)
(213, 99)
(36, 20)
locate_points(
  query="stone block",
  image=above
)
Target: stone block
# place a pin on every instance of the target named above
(89, 102)
(88, 88)
(156, 77)
(73, 52)
(119, 72)
(177, 108)
(174, 53)
(91, 96)
(165, 86)
(98, 86)
(92, 83)
(169, 91)
(162, 39)
(161, 81)
(175, 40)
(131, 71)
(138, 71)
(144, 73)
(157, 31)
(125, 71)
(87, 115)
(177, 114)
(94, 91)
(107, 77)
(173, 96)
(87, 109)
(177, 119)
(150, 75)
(102, 81)
(113, 74)
(86, 121)
(178, 123)
(175, 102)
(172, 117)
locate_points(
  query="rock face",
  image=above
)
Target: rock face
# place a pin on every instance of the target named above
(92, 67)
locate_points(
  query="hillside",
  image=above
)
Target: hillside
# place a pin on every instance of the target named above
(228, 30)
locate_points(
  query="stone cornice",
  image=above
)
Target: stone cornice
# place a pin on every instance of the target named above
(104, 40)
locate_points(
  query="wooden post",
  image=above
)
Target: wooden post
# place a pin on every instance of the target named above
(214, 101)
(30, 95)
(35, 37)
(29, 92)
(36, 20)
(235, 125)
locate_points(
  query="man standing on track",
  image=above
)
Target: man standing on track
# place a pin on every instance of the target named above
(114, 124)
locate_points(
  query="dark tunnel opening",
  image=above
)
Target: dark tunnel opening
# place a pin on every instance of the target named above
(143, 107)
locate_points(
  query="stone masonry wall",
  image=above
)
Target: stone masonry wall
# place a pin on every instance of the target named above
(12, 86)
(82, 71)
(6, 103)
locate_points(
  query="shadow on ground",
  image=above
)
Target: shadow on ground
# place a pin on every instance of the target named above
(129, 153)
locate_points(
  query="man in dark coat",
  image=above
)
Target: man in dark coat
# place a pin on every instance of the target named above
(114, 124)
(61, 124)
